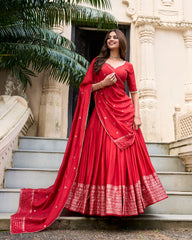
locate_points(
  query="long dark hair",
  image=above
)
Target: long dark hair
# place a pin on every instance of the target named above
(105, 51)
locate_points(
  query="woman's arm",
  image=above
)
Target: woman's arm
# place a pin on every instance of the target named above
(137, 119)
(97, 86)
(108, 81)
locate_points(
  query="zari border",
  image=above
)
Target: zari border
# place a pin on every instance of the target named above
(114, 200)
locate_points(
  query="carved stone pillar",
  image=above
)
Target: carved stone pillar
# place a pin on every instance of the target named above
(50, 114)
(188, 81)
(147, 85)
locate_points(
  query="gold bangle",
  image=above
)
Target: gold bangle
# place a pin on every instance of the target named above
(101, 85)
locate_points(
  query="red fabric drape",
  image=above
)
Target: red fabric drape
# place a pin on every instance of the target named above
(114, 108)
(115, 175)
(38, 208)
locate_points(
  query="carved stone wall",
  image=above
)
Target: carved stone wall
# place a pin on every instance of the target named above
(130, 7)
(171, 18)
(14, 87)
(167, 3)
(183, 124)
(147, 18)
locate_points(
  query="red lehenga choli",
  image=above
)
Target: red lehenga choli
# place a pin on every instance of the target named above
(106, 169)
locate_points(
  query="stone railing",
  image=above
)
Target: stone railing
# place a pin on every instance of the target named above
(183, 135)
(183, 124)
(15, 119)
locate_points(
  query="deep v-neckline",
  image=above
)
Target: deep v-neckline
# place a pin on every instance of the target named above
(115, 66)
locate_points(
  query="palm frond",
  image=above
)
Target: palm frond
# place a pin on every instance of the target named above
(97, 3)
(17, 32)
(47, 13)
(81, 14)
(28, 45)
(62, 63)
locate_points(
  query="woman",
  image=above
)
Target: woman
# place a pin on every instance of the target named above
(106, 169)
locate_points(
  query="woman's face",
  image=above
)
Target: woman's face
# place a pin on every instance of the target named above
(112, 41)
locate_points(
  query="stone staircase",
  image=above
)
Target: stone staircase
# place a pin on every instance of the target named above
(36, 162)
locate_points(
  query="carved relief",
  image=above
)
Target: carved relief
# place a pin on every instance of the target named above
(187, 36)
(183, 123)
(167, 3)
(183, 133)
(146, 34)
(147, 104)
(157, 22)
(170, 10)
(146, 20)
(14, 87)
(130, 7)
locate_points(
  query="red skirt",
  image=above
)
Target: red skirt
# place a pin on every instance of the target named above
(111, 181)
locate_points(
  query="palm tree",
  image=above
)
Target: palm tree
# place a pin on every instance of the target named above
(28, 44)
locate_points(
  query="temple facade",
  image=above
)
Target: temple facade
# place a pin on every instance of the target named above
(159, 37)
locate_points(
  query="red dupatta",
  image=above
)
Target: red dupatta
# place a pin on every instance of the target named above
(38, 208)
(115, 109)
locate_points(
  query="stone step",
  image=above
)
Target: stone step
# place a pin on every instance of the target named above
(167, 163)
(29, 177)
(9, 200)
(43, 143)
(146, 221)
(37, 178)
(59, 144)
(158, 148)
(44, 159)
(176, 203)
(176, 181)
(37, 159)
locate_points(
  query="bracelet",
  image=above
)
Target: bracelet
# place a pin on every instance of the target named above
(136, 116)
(101, 85)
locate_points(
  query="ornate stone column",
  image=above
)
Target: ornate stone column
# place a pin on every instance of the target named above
(50, 114)
(147, 84)
(188, 81)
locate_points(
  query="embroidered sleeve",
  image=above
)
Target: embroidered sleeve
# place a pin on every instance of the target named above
(131, 79)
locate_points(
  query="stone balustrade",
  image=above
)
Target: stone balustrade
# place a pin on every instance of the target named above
(182, 145)
(15, 119)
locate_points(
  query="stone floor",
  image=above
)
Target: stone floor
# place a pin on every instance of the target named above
(168, 234)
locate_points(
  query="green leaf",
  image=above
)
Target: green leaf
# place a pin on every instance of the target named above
(28, 44)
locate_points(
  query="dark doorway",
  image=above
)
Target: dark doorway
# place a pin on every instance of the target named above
(88, 43)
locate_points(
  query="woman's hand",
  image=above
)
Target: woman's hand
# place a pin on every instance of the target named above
(136, 123)
(109, 80)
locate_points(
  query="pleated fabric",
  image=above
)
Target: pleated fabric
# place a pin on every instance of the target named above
(102, 172)
(111, 181)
